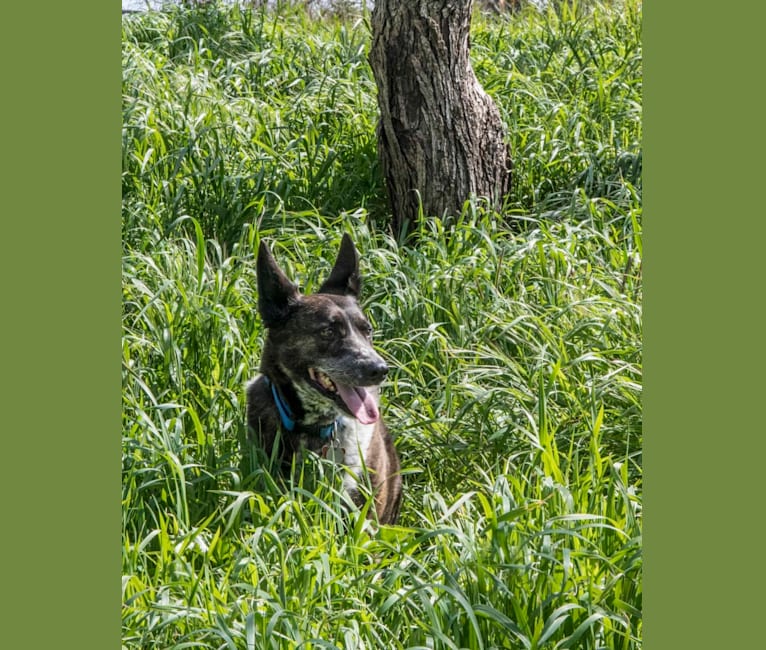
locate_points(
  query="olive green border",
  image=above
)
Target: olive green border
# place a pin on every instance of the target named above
(704, 231)
(61, 310)
(703, 333)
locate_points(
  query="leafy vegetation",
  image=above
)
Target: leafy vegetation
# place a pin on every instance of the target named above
(514, 341)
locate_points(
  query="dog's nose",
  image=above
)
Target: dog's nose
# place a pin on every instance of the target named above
(378, 371)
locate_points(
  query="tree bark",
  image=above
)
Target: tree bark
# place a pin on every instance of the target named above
(440, 136)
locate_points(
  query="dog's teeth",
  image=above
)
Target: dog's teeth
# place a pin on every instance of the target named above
(326, 382)
(322, 379)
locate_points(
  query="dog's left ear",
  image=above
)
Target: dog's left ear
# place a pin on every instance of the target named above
(344, 278)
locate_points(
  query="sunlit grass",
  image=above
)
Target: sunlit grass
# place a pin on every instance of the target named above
(515, 390)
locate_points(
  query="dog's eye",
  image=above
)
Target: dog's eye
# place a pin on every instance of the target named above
(333, 329)
(366, 329)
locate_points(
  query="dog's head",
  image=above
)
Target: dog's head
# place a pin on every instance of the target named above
(322, 343)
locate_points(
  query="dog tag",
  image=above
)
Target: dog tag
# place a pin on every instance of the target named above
(334, 453)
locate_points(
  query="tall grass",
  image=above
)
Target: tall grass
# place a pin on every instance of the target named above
(230, 115)
(515, 391)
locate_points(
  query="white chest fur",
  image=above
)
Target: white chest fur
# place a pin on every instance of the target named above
(353, 438)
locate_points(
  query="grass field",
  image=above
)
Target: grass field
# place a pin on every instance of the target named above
(514, 340)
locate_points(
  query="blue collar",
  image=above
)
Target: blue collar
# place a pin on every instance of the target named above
(288, 419)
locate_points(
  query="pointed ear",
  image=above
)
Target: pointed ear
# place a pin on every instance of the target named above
(276, 294)
(344, 278)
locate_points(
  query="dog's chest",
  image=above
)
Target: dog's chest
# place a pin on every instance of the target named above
(350, 443)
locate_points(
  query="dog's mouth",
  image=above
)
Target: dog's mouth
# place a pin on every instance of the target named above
(358, 400)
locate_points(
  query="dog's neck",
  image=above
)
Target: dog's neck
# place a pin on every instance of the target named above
(292, 423)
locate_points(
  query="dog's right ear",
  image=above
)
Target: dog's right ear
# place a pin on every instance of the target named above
(276, 294)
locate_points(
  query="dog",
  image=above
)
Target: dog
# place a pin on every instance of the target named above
(318, 387)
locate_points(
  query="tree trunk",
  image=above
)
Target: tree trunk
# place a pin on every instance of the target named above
(440, 136)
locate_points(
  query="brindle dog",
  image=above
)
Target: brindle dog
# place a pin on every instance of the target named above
(319, 379)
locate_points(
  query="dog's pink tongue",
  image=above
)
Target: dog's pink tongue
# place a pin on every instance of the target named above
(361, 402)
